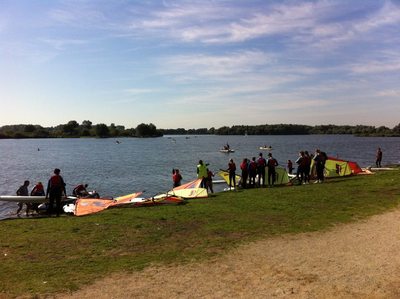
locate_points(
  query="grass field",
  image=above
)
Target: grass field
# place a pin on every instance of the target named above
(50, 255)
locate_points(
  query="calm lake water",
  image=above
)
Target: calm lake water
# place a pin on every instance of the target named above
(114, 169)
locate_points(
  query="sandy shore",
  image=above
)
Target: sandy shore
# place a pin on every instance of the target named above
(358, 260)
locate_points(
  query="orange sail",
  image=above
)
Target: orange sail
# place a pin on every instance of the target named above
(85, 206)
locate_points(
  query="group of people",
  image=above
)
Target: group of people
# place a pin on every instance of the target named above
(250, 169)
(304, 161)
(254, 171)
(54, 193)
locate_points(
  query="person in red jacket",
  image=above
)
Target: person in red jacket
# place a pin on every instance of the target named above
(252, 172)
(176, 178)
(38, 190)
(244, 166)
(54, 192)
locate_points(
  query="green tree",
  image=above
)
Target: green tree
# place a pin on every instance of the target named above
(102, 130)
(144, 130)
(71, 128)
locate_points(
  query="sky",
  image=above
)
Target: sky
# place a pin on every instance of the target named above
(200, 64)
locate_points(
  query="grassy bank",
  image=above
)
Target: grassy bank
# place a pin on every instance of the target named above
(49, 255)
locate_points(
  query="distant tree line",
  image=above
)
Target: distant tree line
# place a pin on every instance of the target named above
(73, 129)
(290, 129)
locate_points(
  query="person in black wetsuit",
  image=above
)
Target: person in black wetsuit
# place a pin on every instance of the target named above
(55, 190)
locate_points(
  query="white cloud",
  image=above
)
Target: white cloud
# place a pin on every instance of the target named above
(389, 93)
(61, 44)
(139, 91)
(376, 67)
(203, 65)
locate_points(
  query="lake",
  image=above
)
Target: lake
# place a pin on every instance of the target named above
(138, 164)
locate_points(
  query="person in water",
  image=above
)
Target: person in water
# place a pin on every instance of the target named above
(54, 192)
(176, 178)
(23, 191)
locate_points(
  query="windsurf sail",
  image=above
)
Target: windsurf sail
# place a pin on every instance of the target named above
(191, 185)
(129, 198)
(225, 175)
(148, 202)
(189, 190)
(86, 206)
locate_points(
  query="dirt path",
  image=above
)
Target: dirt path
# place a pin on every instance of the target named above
(359, 260)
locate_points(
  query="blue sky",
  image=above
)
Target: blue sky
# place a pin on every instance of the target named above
(196, 64)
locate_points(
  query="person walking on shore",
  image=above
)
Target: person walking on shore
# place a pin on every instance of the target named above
(55, 190)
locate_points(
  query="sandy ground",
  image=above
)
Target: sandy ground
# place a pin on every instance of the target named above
(358, 260)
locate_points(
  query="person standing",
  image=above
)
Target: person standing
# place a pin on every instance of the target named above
(209, 184)
(290, 166)
(379, 155)
(232, 174)
(202, 174)
(271, 164)
(300, 167)
(319, 160)
(38, 190)
(176, 178)
(307, 167)
(23, 191)
(252, 172)
(244, 166)
(55, 190)
(261, 164)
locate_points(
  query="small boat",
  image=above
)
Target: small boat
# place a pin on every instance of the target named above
(266, 148)
(227, 151)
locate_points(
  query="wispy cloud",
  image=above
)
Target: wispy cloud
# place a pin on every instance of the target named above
(389, 93)
(61, 44)
(203, 65)
(139, 91)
